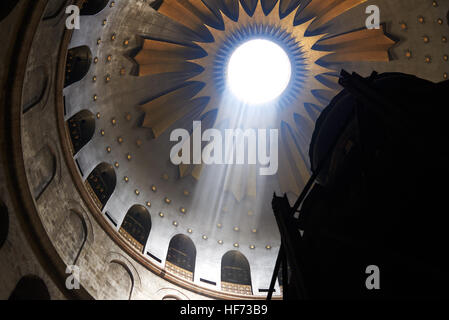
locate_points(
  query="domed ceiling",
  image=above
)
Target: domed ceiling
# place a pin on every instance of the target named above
(157, 66)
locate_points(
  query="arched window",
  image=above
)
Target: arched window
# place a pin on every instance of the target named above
(101, 184)
(235, 273)
(81, 129)
(30, 288)
(4, 223)
(136, 227)
(91, 7)
(77, 65)
(181, 257)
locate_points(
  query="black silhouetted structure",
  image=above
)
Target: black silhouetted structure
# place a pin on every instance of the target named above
(377, 195)
(30, 287)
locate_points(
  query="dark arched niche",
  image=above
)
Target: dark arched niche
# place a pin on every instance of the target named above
(91, 7)
(102, 182)
(181, 257)
(81, 128)
(235, 273)
(136, 227)
(77, 65)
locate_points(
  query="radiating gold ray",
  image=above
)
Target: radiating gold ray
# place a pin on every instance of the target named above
(287, 114)
(228, 5)
(336, 10)
(174, 66)
(284, 5)
(164, 111)
(191, 13)
(330, 80)
(155, 50)
(316, 8)
(298, 107)
(198, 8)
(208, 91)
(363, 38)
(326, 10)
(362, 45)
(161, 57)
(374, 55)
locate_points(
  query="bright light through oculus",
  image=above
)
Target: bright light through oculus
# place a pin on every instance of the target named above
(259, 71)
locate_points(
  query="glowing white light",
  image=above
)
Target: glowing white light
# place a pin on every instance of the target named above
(259, 71)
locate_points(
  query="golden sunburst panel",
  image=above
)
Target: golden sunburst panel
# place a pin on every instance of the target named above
(165, 110)
(285, 26)
(362, 45)
(290, 24)
(324, 11)
(193, 14)
(158, 57)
